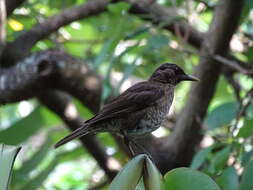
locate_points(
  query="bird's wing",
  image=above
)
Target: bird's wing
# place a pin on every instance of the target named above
(135, 98)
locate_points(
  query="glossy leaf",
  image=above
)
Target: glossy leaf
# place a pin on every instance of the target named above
(152, 177)
(189, 179)
(130, 175)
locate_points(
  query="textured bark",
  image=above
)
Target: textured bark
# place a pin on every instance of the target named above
(182, 143)
(48, 70)
(39, 73)
(20, 48)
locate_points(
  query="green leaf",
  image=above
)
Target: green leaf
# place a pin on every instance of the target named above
(130, 175)
(247, 129)
(220, 158)
(138, 32)
(152, 177)
(221, 115)
(246, 182)
(200, 157)
(7, 157)
(246, 157)
(189, 179)
(28, 126)
(118, 8)
(158, 41)
(83, 110)
(229, 179)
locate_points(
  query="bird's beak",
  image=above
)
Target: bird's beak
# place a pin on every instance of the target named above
(188, 77)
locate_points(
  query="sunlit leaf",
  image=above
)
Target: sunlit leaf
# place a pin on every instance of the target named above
(117, 8)
(15, 25)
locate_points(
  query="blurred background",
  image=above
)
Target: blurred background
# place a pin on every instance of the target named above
(62, 60)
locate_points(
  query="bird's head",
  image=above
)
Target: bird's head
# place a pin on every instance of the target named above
(170, 73)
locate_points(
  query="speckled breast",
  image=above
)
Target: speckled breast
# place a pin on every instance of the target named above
(153, 117)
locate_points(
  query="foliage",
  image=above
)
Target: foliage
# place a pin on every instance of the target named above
(140, 170)
(117, 45)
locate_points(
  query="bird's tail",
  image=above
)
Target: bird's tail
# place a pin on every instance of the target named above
(84, 130)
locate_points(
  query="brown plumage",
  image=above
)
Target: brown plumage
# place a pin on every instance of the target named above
(139, 110)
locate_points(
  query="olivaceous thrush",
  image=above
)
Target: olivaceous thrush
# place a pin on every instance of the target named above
(139, 110)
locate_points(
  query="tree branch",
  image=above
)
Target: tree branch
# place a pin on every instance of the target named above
(167, 18)
(20, 48)
(50, 70)
(234, 65)
(187, 134)
(61, 104)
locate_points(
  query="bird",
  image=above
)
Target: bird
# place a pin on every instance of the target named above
(139, 110)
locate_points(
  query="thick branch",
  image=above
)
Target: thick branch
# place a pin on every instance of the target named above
(22, 45)
(61, 104)
(168, 18)
(187, 131)
(50, 70)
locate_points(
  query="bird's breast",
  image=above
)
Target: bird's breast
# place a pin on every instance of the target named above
(153, 116)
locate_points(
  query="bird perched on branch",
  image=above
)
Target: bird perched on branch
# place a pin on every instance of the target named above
(139, 110)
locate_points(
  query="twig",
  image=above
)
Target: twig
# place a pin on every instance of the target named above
(232, 64)
(22, 45)
(236, 86)
(243, 106)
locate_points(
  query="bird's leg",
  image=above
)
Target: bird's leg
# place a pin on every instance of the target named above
(141, 148)
(127, 143)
